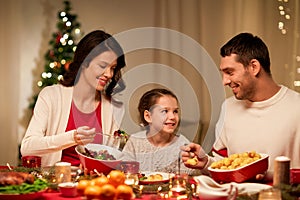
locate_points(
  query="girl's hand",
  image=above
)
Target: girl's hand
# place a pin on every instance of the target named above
(193, 156)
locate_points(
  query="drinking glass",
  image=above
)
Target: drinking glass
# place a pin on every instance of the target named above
(270, 194)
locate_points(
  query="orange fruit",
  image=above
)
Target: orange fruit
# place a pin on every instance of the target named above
(124, 192)
(92, 191)
(116, 177)
(82, 185)
(108, 192)
(100, 181)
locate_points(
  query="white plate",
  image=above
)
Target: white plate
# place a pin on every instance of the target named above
(166, 177)
(250, 188)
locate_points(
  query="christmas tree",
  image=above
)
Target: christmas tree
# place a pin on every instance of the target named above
(63, 45)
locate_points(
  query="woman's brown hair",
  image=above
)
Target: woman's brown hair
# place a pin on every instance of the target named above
(90, 46)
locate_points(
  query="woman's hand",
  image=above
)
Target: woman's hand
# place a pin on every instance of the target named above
(84, 135)
(193, 156)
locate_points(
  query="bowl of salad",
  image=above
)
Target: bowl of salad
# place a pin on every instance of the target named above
(99, 157)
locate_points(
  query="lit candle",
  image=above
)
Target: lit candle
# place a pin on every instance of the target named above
(281, 170)
(63, 172)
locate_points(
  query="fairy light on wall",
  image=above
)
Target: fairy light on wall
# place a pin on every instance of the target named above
(288, 23)
(284, 13)
(297, 82)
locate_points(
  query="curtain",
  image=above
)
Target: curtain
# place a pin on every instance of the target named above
(9, 76)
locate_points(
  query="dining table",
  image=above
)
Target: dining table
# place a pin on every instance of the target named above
(55, 194)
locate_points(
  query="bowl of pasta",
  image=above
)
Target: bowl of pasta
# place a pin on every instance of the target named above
(239, 167)
(99, 158)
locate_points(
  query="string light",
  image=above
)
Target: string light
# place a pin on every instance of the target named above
(70, 42)
(44, 75)
(39, 83)
(283, 13)
(66, 36)
(297, 83)
(60, 77)
(77, 31)
(52, 65)
(68, 23)
(62, 14)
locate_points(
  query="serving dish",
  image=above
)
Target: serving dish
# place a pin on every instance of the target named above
(165, 178)
(102, 166)
(243, 173)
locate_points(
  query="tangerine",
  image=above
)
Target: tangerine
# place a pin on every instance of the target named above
(108, 192)
(100, 181)
(92, 191)
(116, 178)
(124, 192)
(82, 185)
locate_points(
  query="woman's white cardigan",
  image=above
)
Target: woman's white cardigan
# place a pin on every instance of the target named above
(46, 135)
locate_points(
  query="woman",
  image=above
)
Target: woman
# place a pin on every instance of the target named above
(79, 109)
(157, 147)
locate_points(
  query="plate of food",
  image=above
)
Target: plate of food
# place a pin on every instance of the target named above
(21, 185)
(148, 177)
(239, 167)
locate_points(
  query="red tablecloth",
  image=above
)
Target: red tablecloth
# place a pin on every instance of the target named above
(57, 196)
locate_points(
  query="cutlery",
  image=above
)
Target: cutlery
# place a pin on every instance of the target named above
(9, 167)
(178, 162)
(84, 150)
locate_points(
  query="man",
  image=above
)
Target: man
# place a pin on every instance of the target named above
(262, 116)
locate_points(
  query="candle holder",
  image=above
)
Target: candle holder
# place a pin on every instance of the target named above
(281, 170)
(270, 194)
(31, 161)
(63, 172)
(131, 179)
(178, 185)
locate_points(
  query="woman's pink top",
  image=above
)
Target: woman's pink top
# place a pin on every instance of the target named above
(77, 119)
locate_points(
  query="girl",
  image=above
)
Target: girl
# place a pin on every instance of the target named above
(157, 147)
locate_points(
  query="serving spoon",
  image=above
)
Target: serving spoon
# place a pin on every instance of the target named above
(82, 149)
(9, 167)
